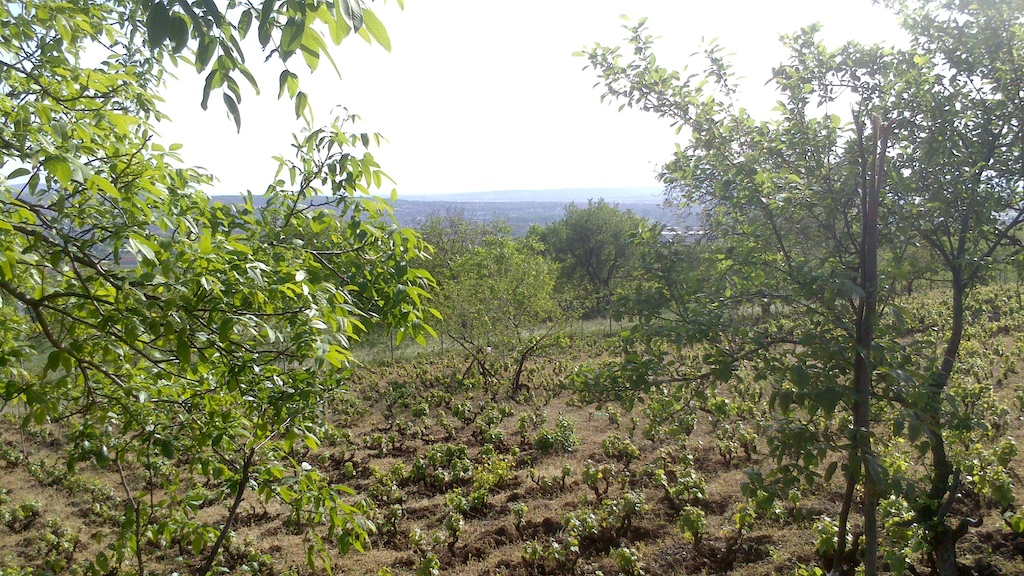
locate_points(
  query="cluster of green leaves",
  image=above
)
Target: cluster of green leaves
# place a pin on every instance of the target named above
(20, 517)
(594, 529)
(496, 294)
(182, 337)
(562, 438)
(813, 229)
(99, 498)
(551, 557)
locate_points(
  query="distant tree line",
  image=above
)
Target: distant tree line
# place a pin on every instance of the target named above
(504, 299)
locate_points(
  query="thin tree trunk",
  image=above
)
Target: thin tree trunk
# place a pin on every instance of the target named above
(852, 478)
(226, 528)
(944, 544)
(943, 538)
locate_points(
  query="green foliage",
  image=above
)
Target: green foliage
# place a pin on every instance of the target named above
(184, 338)
(10, 455)
(682, 486)
(627, 560)
(612, 520)
(620, 449)
(443, 466)
(453, 236)
(519, 511)
(593, 246)
(453, 524)
(429, 566)
(19, 518)
(562, 438)
(598, 477)
(693, 524)
(57, 545)
(551, 557)
(904, 540)
(498, 304)
(814, 227)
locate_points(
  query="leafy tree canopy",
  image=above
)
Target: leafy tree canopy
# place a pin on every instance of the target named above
(593, 245)
(499, 305)
(183, 338)
(812, 219)
(452, 236)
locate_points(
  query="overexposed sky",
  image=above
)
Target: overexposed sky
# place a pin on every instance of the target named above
(480, 95)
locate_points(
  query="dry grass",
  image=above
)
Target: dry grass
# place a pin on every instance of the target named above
(491, 541)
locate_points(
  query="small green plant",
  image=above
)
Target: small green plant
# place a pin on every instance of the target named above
(456, 501)
(681, 486)
(903, 538)
(48, 475)
(418, 541)
(693, 524)
(388, 522)
(628, 561)
(58, 545)
(620, 449)
(598, 477)
(453, 524)
(21, 517)
(563, 438)
(493, 436)
(614, 416)
(529, 422)
(429, 566)
(552, 558)
(11, 455)
(544, 442)
(519, 511)
(419, 410)
(443, 466)
(826, 534)
(446, 425)
(565, 474)
(463, 411)
(382, 443)
(619, 514)
(565, 434)
(348, 470)
(605, 525)
(1006, 452)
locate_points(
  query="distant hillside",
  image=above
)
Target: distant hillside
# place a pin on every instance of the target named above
(648, 195)
(522, 215)
(524, 208)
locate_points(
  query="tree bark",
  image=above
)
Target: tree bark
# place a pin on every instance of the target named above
(943, 538)
(852, 479)
(243, 483)
(944, 548)
(873, 177)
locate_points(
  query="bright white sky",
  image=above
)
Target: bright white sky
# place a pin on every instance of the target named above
(480, 95)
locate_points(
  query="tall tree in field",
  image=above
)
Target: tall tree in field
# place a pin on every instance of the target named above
(800, 209)
(593, 246)
(452, 236)
(960, 186)
(499, 305)
(186, 341)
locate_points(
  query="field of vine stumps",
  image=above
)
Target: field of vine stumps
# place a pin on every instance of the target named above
(459, 476)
